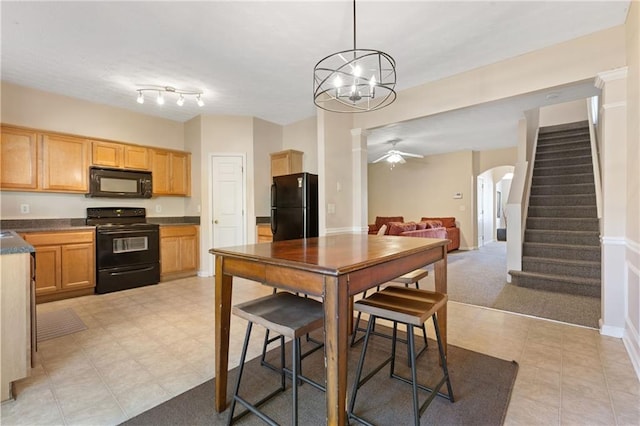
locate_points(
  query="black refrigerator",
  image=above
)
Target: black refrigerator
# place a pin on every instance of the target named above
(294, 206)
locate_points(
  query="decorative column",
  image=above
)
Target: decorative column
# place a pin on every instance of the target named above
(359, 173)
(613, 160)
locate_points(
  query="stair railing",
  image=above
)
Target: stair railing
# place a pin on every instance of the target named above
(595, 160)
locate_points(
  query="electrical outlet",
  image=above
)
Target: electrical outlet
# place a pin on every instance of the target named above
(158, 208)
(25, 208)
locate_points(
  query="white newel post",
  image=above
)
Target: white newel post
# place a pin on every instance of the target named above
(613, 128)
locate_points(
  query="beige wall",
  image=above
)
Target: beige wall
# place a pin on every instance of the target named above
(632, 327)
(267, 138)
(47, 111)
(335, 174)
(303, 136)
(425, 187)
(22, 106)
(193, 144)
(567, 112)
(489, 159)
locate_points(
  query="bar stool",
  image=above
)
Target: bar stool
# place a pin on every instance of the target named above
(290, 316)
(280, 338)
(411, 307)
(410, 278)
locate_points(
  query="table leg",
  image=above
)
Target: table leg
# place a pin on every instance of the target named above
(440, 269)
(336, 311)
(222, 327)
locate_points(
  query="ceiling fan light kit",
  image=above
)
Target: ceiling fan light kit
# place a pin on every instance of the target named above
(161, 90)
(394, 156)
(357, 80)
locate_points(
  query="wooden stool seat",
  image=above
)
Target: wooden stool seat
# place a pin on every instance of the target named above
(411, 277)
(411, 307)
(405, 305)
(290, 316)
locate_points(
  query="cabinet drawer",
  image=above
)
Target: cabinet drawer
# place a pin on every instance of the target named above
(177, 231)
(58, 238)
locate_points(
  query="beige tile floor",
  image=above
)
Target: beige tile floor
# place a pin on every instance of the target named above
(146, 345)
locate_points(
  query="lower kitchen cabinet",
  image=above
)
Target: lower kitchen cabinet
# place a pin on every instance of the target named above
(178, 251)
(65, 263)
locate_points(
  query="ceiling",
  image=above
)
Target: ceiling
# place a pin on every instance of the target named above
(257, 58)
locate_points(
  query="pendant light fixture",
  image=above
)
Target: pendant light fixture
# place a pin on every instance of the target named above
(161, 90)
(357, 80)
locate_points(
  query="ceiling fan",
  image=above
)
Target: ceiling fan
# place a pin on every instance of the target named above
(394, 156)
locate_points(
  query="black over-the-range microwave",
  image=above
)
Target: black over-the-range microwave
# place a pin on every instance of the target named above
(117, 183)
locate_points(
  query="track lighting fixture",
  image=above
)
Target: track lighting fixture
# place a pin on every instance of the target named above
(161, 90)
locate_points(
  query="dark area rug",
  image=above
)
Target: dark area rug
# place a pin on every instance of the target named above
(482, 388)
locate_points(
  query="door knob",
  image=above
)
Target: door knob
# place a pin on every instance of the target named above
(215, 221)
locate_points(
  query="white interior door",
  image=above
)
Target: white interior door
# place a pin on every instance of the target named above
(228, 211)
(481, 209)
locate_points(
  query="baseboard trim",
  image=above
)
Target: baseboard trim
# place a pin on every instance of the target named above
(608, 330)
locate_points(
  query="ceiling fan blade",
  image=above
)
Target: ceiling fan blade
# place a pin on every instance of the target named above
(408, 154)
(382, 158)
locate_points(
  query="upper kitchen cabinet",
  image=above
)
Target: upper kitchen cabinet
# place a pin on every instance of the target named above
(65, 163)
(286, 162)
(171, 172)
(19, 159)
(118, 155)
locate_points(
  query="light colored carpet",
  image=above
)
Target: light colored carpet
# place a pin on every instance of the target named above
(479, 277)
(58, 323)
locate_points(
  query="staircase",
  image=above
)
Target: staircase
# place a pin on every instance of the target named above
(561, 249)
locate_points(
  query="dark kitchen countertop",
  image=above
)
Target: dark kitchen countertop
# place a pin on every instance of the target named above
(43, 225)
(261, 220)
(182, 220)
(11, 243)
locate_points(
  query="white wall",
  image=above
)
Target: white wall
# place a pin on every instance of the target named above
(267, 138)
(567, 112)
(303, 136)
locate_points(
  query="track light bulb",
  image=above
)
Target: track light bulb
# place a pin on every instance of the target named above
(180, 101)
(200, 102)
(140, 99)
(160, 99)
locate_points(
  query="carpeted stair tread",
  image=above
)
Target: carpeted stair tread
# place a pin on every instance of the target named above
(562, 251)
(568, 212)
(567, 246)
(565, 161)
(565, 179)
(563, 200)
(562, 144)
(562, 169)
(565, 127)
(549, 260)
(557, 283)
(564, 153)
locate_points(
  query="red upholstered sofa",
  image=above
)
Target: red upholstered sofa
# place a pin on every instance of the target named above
(413, 229)
(453, 232)
(384, 220)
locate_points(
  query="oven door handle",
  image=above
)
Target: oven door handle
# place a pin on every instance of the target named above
(140, 231)
(115, 274)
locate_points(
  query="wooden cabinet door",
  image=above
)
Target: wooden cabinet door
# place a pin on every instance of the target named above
(180, 174)
(189, 252)
(160, 167)
(48, 273)
(65, 163)
(18, 159)
(169, 255)
(136, 157)
(106, 154)
(286, 162)
(77, 265)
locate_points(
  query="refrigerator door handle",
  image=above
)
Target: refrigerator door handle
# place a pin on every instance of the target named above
(274, 222)
(273, 195)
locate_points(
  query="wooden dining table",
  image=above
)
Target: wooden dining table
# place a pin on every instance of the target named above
(335, 268)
